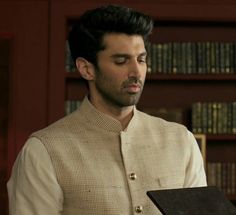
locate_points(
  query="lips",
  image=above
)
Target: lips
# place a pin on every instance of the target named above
(132, 85)
(133, 88)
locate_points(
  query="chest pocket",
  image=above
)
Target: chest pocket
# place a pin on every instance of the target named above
(171, 181)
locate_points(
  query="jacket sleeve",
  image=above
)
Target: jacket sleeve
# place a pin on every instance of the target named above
(195, 172)
(33, 187)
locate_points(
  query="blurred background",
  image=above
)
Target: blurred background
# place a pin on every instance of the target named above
(191, 74)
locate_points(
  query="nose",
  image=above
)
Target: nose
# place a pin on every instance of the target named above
(136, 69)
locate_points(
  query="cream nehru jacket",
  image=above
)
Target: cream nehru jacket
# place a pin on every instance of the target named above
(103, 170)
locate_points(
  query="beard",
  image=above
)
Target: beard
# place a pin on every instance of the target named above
(118, 96)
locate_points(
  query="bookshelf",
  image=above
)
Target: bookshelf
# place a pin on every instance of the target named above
(201, 22)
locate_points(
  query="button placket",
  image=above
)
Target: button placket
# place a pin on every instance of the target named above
(138, 209)
(130, 168)
(133, 176)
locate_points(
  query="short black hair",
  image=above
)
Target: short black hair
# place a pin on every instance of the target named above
(86, 36)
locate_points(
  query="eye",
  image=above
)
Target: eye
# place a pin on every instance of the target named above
(142, 59)
(120, 60)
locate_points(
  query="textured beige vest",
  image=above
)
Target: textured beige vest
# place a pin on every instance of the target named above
(95, 160)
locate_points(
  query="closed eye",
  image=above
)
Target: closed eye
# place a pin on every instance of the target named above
(142, 60)
(120, 60)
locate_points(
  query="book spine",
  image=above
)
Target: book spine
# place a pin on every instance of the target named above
(174, 60)
(154, 58)
(208, 57)
(204, 117)
(164, 57)
(234, 117)
(222, 58)
(227, 58)
(197, 118)
(214, 117)
(159, 57)
(149, 57)
(213, 57)
(169, 57)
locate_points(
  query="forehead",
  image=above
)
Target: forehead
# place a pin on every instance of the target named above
(118, 42)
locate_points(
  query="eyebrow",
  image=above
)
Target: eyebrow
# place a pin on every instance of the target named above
(120, 55)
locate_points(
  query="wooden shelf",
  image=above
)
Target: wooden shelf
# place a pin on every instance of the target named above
(174, 77)
(194, 22)
(216, 137)
(192, 77)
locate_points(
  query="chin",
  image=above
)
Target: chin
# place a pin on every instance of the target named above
(131, 101)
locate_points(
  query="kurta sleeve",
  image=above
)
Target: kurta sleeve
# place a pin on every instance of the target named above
(195, 172)
(33, 188)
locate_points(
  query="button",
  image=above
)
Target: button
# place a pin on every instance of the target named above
(139, 209)
(132, 176)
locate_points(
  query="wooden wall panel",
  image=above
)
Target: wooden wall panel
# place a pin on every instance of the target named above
(5, 48)
(28, 23)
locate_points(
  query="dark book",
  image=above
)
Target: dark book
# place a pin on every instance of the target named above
(192, 201)
(169, 114)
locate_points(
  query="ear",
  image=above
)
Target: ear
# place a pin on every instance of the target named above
(85, 68)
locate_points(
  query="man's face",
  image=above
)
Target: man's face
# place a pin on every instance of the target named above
(121, 70)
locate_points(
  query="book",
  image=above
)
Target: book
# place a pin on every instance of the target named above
(169, 114)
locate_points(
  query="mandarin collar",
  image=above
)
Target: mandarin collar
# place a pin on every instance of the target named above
(102, 120)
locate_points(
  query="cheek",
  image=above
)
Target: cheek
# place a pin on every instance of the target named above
(108, 81)
(112, 76)
(115, 82)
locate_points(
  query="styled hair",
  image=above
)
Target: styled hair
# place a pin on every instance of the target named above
(86, 36)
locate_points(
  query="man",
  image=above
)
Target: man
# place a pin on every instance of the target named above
(102, 158)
